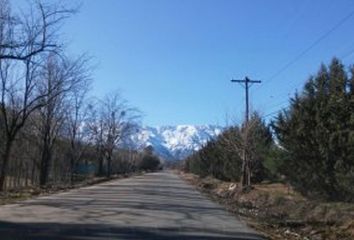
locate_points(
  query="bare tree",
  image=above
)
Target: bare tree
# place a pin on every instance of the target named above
(23, 41)
(119, 122)
(61, 79)
(27, 35)
(251, 142)
(51, 116)
(76, 115)
(94, 128)
(238, 141)
(113, 121)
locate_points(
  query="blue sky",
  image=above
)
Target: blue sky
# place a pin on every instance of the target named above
(174, 59)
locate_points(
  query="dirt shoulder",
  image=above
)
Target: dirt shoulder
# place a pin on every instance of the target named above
(279, 212)
(20, 194)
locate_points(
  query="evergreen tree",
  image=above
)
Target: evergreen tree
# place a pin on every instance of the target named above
(260, 144)
(316, 131)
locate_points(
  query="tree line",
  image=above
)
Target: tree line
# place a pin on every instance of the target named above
(309, 144)
(51, 130)
(223, 157)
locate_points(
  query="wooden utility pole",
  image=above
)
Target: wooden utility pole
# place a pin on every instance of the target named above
(246, 169)
(247, 84)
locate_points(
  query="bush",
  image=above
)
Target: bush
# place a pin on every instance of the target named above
(221, 157)
(150, 163)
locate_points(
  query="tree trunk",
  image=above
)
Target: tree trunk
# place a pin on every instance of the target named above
(246, 171)
(33, 172)
(45, 161)
(109, 164)
(100, 162)
(5, 163)
(72, 166)
(26, 174)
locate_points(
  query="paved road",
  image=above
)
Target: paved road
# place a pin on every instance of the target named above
(153, 206)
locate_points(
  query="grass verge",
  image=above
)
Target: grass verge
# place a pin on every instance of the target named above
(24, 193)
(279, 212)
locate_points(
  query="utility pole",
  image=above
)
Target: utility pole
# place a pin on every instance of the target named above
(246, 168)
(247, 84)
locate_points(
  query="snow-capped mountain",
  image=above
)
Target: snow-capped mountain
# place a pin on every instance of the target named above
(174, 142)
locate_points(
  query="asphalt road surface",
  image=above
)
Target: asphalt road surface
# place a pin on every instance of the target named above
(153, 206)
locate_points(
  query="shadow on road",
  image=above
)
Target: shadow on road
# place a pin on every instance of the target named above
(56, 231)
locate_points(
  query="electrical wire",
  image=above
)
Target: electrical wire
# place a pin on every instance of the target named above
(306, 50)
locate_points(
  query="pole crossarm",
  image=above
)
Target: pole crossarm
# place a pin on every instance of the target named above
(246, 79)
(247, 84)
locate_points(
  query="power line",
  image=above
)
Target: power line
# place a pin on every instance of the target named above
(298, 85)
(306, 50)
(348, 54)
(272, 113)
(278, 104)
(299, 56)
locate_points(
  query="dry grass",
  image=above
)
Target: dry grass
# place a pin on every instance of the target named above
(279, 211)
(19, 194)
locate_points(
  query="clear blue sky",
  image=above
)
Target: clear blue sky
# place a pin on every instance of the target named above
(174, 59)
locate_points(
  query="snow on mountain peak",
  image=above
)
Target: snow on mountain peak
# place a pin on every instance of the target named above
(174, 142)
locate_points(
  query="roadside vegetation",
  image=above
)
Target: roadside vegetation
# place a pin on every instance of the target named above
(307, 151)
(280, 212)
(53, 133)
